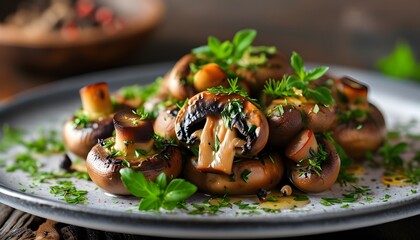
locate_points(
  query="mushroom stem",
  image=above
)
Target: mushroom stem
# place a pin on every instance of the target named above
(217, 147)
(355, 93)
(133, 135)
(96, 101)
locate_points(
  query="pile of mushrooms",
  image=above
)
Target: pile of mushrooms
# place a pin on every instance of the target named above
(227, 135)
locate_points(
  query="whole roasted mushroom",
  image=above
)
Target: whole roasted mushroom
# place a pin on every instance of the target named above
(248, 175)
(313, 164)
(94, 121)
(182, 82)
(133, 146)
(284, 123)
(221, 127)
(361, 126)
(176, 80)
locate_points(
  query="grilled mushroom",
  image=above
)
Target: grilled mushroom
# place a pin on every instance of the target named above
(362, 126)
(133, 146)
(247, 177)
(175, 81)
(284, 123)
(82, 131)
(221, 126)
(314, 163)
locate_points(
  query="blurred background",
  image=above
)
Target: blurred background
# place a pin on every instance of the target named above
(354, 33)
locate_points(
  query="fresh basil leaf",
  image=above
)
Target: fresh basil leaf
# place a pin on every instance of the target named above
(201, 50)
(161, 181)
(242, 40)
(220, 50)
(170, 205)
(226, 49)
(150, 203)
(293, 81)
(316, 73)
(400, 63)
(178, 190)
(297, 64)
(214, 45)
(135, 182)
(320, 95)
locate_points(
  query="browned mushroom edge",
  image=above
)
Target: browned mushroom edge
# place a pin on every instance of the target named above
(359, 137)
(104, 169)
(310, 181)
(319, 118)
(79, 140)
(286, 117)
(284, 123)
(164, 124)
(248, 176)
(175, 81)
(221, 126)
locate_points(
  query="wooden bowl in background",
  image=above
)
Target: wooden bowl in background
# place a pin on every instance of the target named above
(51, 53)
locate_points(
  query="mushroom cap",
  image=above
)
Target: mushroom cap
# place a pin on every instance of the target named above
(283, 126)
(265, 172)
(357, 138)
(164, 124)
(132, 126)
(323, 120)
(105, 170)
(80, 140)
(174, 81)
(311, 182)
(192, 116)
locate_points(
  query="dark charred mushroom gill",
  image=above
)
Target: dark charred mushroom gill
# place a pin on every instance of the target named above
(222, 127)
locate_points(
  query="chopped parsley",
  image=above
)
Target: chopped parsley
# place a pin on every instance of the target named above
(230, 113)
(68, 191)
(298, 84)
(80, 119)
(314, 162)
(10, 137)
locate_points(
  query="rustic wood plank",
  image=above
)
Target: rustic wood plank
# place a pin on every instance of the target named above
(16, 225)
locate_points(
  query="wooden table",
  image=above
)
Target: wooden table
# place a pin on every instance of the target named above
(351, 33)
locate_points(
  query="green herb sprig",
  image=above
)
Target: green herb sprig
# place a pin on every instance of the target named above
(400, 63)
(289, 84)
(159, 194)
(228, 52)
(234, 88)
(314, 162)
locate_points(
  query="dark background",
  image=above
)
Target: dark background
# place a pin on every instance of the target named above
(333, 32)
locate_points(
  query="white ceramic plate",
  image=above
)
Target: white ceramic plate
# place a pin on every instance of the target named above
(49, 106)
